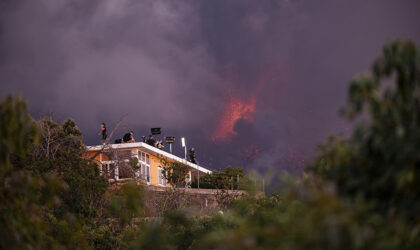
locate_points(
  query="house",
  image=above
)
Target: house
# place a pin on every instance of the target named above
(116, 161)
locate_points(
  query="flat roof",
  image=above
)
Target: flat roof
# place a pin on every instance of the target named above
(149, 149)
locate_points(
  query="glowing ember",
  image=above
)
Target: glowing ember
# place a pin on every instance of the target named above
(237, 109)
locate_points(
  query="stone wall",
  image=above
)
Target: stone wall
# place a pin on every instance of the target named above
(202, 201)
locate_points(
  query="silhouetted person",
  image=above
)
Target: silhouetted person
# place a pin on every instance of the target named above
(129, 137)
(192, 155)
(151, 141)
(103, 132)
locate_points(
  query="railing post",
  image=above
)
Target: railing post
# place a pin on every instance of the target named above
(116, 173)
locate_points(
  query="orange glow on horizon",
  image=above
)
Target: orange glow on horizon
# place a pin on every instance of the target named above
(236, 109)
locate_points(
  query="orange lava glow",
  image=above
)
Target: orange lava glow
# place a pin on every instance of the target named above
(237, 109)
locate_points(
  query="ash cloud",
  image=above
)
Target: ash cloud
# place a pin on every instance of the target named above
(173, 63)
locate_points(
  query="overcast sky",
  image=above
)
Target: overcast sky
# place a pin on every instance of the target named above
(251, 83)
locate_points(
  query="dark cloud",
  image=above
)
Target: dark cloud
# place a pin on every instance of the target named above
(177, 64)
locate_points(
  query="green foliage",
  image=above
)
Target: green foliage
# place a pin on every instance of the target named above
(307, 217)
(16, 127)
(103, 236)
(60, 152)
(134, 163)
(175, 172)
(303, 216)
(381, 161)
(177, 230)
(26, 198)
(128, 204)
(230, 178)
(45, 181)
(86, 188)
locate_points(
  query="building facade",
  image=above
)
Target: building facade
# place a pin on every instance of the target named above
(137, 160)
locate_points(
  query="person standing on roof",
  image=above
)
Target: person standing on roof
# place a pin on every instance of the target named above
(192, 156)
(103, 132)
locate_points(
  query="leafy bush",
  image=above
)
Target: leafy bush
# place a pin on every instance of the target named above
(174, 172)
(26, 199)
(229, 178)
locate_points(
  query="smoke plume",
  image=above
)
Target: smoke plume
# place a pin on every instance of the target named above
(252, 83)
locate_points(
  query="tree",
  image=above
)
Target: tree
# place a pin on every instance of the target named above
(380, 162)
(229, 178)
(26, 199)
(174, 172)
(60, 152)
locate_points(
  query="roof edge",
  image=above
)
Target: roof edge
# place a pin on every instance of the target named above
(149, 148)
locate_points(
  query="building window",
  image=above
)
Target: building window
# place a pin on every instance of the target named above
(109, 170)
(142, 170)
(148, 173)
(161, 177)
(144, 161)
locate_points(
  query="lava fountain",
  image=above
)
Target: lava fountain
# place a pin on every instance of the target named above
(236, 109)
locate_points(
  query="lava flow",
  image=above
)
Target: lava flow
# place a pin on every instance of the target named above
(236, 109)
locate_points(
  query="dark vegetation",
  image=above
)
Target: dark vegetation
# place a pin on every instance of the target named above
(360, 192)
(230, 178)
(175, 172)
